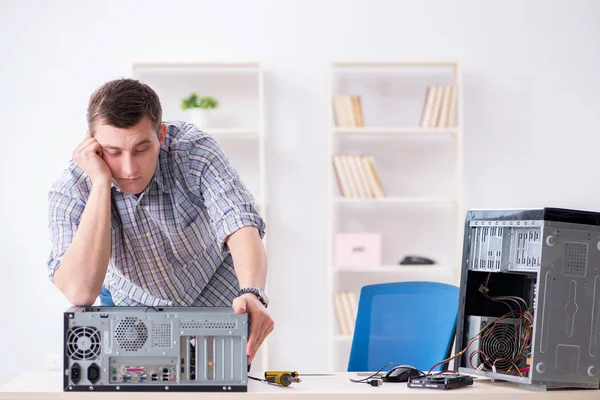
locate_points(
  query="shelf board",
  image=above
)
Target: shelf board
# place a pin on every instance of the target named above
(434, 273)
(393, 200)
(196, 64)
(195, 69)
(427, 268)
(393, 64)
(232, 131)
(364, 130)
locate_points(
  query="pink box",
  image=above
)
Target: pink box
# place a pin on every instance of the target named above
(357, 249)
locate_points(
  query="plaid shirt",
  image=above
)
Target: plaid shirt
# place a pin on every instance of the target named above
(168, 244)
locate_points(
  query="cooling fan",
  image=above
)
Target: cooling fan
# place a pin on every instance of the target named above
(83, 343)
(131, 334)
(499, 343)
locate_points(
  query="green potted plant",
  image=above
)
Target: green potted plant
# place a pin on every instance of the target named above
(198, 108)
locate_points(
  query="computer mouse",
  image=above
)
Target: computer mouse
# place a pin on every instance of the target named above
(416, 260)
(400, 374)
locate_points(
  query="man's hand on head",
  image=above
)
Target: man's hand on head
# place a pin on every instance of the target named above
(262, 324)
(88, 155)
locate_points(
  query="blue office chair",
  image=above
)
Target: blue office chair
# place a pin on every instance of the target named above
(409, 323)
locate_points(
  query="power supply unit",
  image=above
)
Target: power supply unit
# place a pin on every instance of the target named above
(497, 342)
(529, 305)
(155, 349)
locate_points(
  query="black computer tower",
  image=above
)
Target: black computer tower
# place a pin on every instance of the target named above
(529, 306)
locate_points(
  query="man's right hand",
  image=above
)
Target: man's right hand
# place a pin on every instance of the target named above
(88, 155)
(83, 266)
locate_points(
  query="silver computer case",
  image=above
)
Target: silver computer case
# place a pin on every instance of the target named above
(155, 349)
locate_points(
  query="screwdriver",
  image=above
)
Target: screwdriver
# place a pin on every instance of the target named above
(282, 379)
(293, 374)
(285, 378)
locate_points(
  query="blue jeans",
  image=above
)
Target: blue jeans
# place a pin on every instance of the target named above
(106, 300)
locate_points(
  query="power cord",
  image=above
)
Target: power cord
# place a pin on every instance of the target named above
(373, 382)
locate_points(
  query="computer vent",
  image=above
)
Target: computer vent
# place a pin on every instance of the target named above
(131, 334)
(576, 255)
(209, 324)
(499, 345)
(496, 345)
(83, 343)
(162, 335)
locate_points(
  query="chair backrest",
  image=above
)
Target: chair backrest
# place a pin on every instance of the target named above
(410, 323)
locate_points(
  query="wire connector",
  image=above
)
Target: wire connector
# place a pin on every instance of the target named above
(375, 382)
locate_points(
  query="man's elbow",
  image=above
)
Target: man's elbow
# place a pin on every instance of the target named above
(76, 294)
(81, 299)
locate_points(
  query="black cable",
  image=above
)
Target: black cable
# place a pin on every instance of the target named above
(377, 382)
(363, 380)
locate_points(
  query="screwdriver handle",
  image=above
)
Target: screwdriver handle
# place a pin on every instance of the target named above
(293, 374)
(282, 379)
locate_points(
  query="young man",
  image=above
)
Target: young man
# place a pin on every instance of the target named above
(153, 213)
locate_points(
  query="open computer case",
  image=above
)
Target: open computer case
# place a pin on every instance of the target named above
(155, 349)
(529, 306)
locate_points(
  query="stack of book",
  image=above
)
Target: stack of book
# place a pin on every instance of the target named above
(357, 176)
(348, 111)
(346, 309)
(440, 107)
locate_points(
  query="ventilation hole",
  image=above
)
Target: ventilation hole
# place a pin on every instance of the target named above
(131, 334)
(83, 343)
(161, 335)
(228, 324)
(575, 263)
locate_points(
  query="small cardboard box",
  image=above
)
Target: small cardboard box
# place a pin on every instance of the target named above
(357, 249)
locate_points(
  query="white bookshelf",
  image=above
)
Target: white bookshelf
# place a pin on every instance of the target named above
(420, 169)
(237, 124)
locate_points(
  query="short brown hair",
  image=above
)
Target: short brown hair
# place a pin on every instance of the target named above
(123, 103)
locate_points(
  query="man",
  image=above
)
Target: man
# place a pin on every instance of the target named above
(153, 213)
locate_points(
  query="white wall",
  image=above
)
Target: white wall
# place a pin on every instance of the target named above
(532, 126)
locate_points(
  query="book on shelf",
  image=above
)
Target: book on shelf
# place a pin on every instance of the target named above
(357, 176)
(347, 110)
(439, 110)
(346, 308)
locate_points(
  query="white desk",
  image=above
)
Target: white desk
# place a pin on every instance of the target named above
(47, 385)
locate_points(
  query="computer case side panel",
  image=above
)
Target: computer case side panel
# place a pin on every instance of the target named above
(566, 332)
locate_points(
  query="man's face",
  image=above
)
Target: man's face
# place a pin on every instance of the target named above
(131, 153)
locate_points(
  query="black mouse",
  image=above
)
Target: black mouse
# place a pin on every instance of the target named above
(400, 374)
(416, 260)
